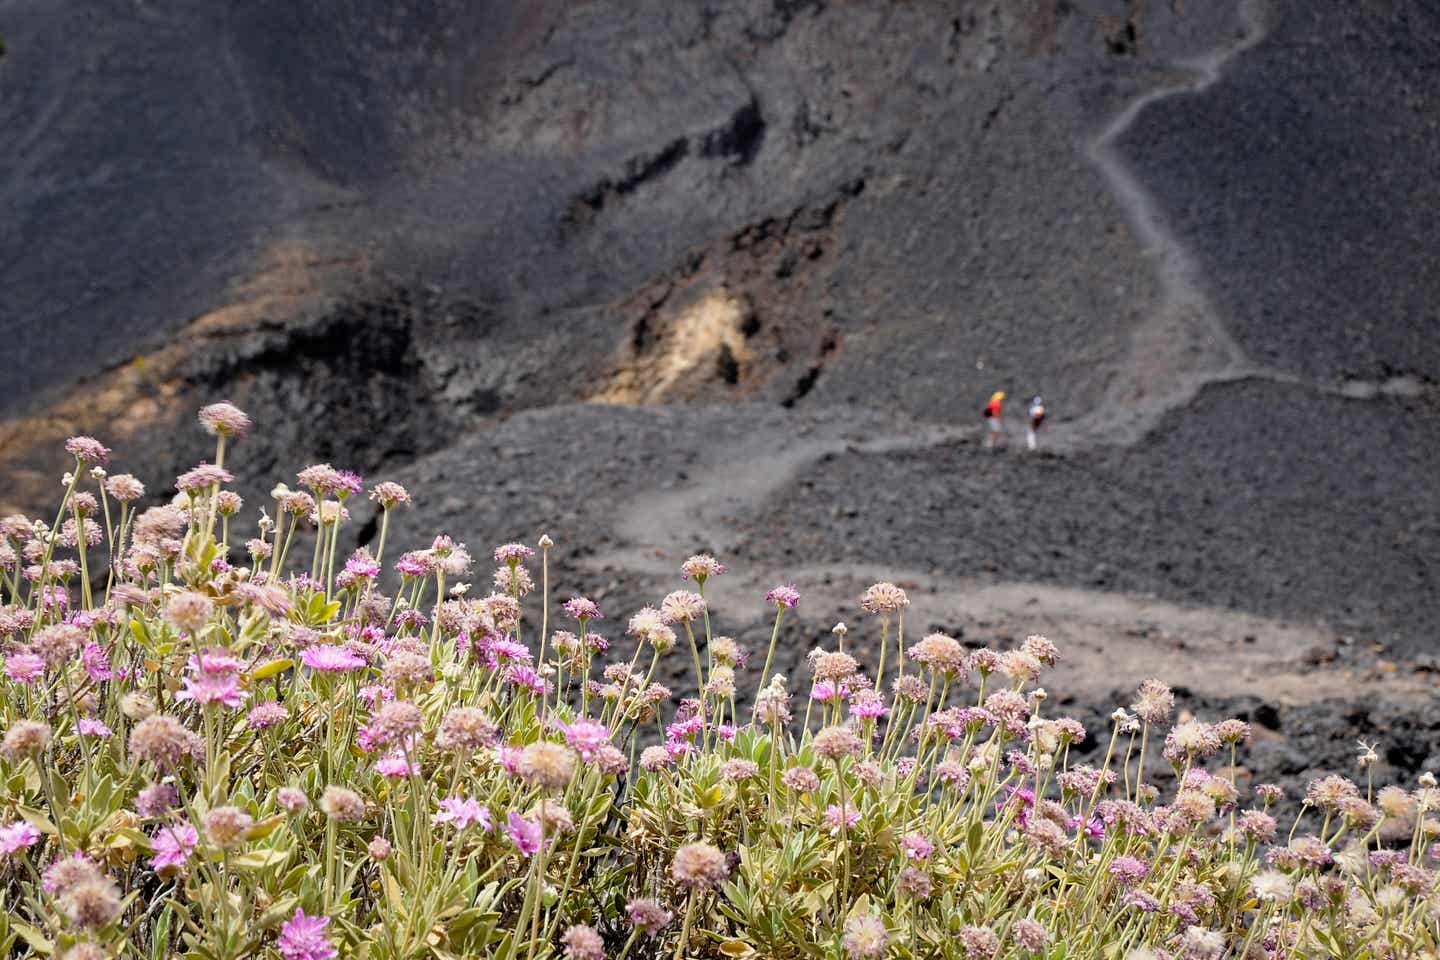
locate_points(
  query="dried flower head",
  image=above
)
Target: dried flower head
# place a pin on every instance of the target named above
(164, 742)
(124, 487)
(137, 705)
(67, 871)
(833, 665)
(227, 826)
(189, 611)
(836, 742)
(466, 730)
(1153, 702)
(293, 800)
(1328, 793)
(24, 738)
(388, 493)
(1192, 740)
(58, 643)
(1030, 935)
(941, 653)
(883, 597)
(682, 606)
(1041, 649)
(548, 765)
(92, 904)
(647, 916)
(156, 799)
(700, 568)
(583, 942)
(699, 866)
(341, 804)
(979, 943)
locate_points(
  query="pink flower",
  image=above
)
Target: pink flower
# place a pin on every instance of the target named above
(393, 765)
(331, 658)
(1129, 870)
(583, 609)
(502, 649)
(96, 662)
(701, 566)
(684, 729)
(374, 694)
(17, 836)
(917, 846)
(348, 482)
(1023, 798)
(216, 660)
(867, 704)
(224, 419)
(513, 553)
(24, 666)
(524, 833)
(303, 938)
(208, 688)
(88, 450)
(509, 758)
(784, 595)
(526, 678)
(172, 845)
(265, 715)
(465, 812)
(202, 477)
(416, 563)
(65, 870)
(90, 727)
(361, 564)
(832, 818)
(586, 736)
(726, 732)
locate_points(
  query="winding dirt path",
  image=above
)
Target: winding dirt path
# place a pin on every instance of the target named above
(1183, 343)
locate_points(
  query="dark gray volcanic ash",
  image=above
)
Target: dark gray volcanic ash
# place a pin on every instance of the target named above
(664, 276)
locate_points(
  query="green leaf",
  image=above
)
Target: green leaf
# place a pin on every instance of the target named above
(268, 669)
(264, 828)
(33, 936)
(260, 859)
(38, 820)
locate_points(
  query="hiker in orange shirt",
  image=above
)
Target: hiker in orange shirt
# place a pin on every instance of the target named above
(994, 429)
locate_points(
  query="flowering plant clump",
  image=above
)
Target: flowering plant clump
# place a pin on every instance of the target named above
(220, 749)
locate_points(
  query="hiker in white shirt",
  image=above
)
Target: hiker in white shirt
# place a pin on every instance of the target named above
(1037, 417)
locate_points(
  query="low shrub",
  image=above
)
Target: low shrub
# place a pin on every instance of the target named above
(220, 757)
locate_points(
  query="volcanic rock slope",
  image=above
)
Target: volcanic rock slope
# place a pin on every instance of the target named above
(666, 276)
